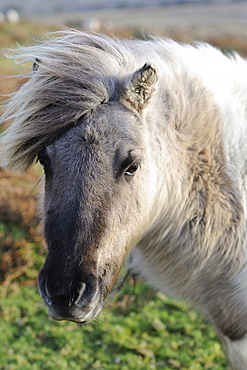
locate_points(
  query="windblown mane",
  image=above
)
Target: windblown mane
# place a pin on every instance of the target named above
(73, 74)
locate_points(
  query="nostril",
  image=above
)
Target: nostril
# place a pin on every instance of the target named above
(80, 290)
(64, 296)
(79, 298)
(85, 294)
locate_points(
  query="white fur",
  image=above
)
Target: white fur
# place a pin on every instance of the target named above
(237, 353)
(226, 79)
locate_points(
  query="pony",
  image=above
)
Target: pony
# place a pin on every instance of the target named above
(143, 145)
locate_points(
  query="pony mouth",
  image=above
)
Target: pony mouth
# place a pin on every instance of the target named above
(76, 314)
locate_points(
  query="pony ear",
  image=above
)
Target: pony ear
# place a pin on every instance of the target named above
(141, 87)
(36, 64)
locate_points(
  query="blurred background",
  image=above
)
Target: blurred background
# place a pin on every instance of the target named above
(139, 328)
(180, 19)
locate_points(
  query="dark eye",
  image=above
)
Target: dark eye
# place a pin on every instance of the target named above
(43, 158)
(132, 169)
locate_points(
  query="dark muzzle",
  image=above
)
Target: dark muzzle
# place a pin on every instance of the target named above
(70, 299)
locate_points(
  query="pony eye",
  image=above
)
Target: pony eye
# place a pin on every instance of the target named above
(132, 169)
(42, 158)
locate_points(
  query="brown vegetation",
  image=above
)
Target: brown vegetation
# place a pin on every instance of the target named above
(18, 224)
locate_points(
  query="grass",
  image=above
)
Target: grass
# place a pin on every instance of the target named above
(138, 329)
(148, 332)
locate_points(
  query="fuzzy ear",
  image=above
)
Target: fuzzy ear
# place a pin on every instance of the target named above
(141, 86)
(36, 65)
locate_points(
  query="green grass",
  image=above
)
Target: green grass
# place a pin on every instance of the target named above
(138, 330)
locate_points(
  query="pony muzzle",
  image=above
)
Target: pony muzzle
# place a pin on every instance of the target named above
(80, 305)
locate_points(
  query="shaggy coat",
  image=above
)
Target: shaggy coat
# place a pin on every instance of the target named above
(144, 149)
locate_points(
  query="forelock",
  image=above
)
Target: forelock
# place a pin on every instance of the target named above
(73, 74)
